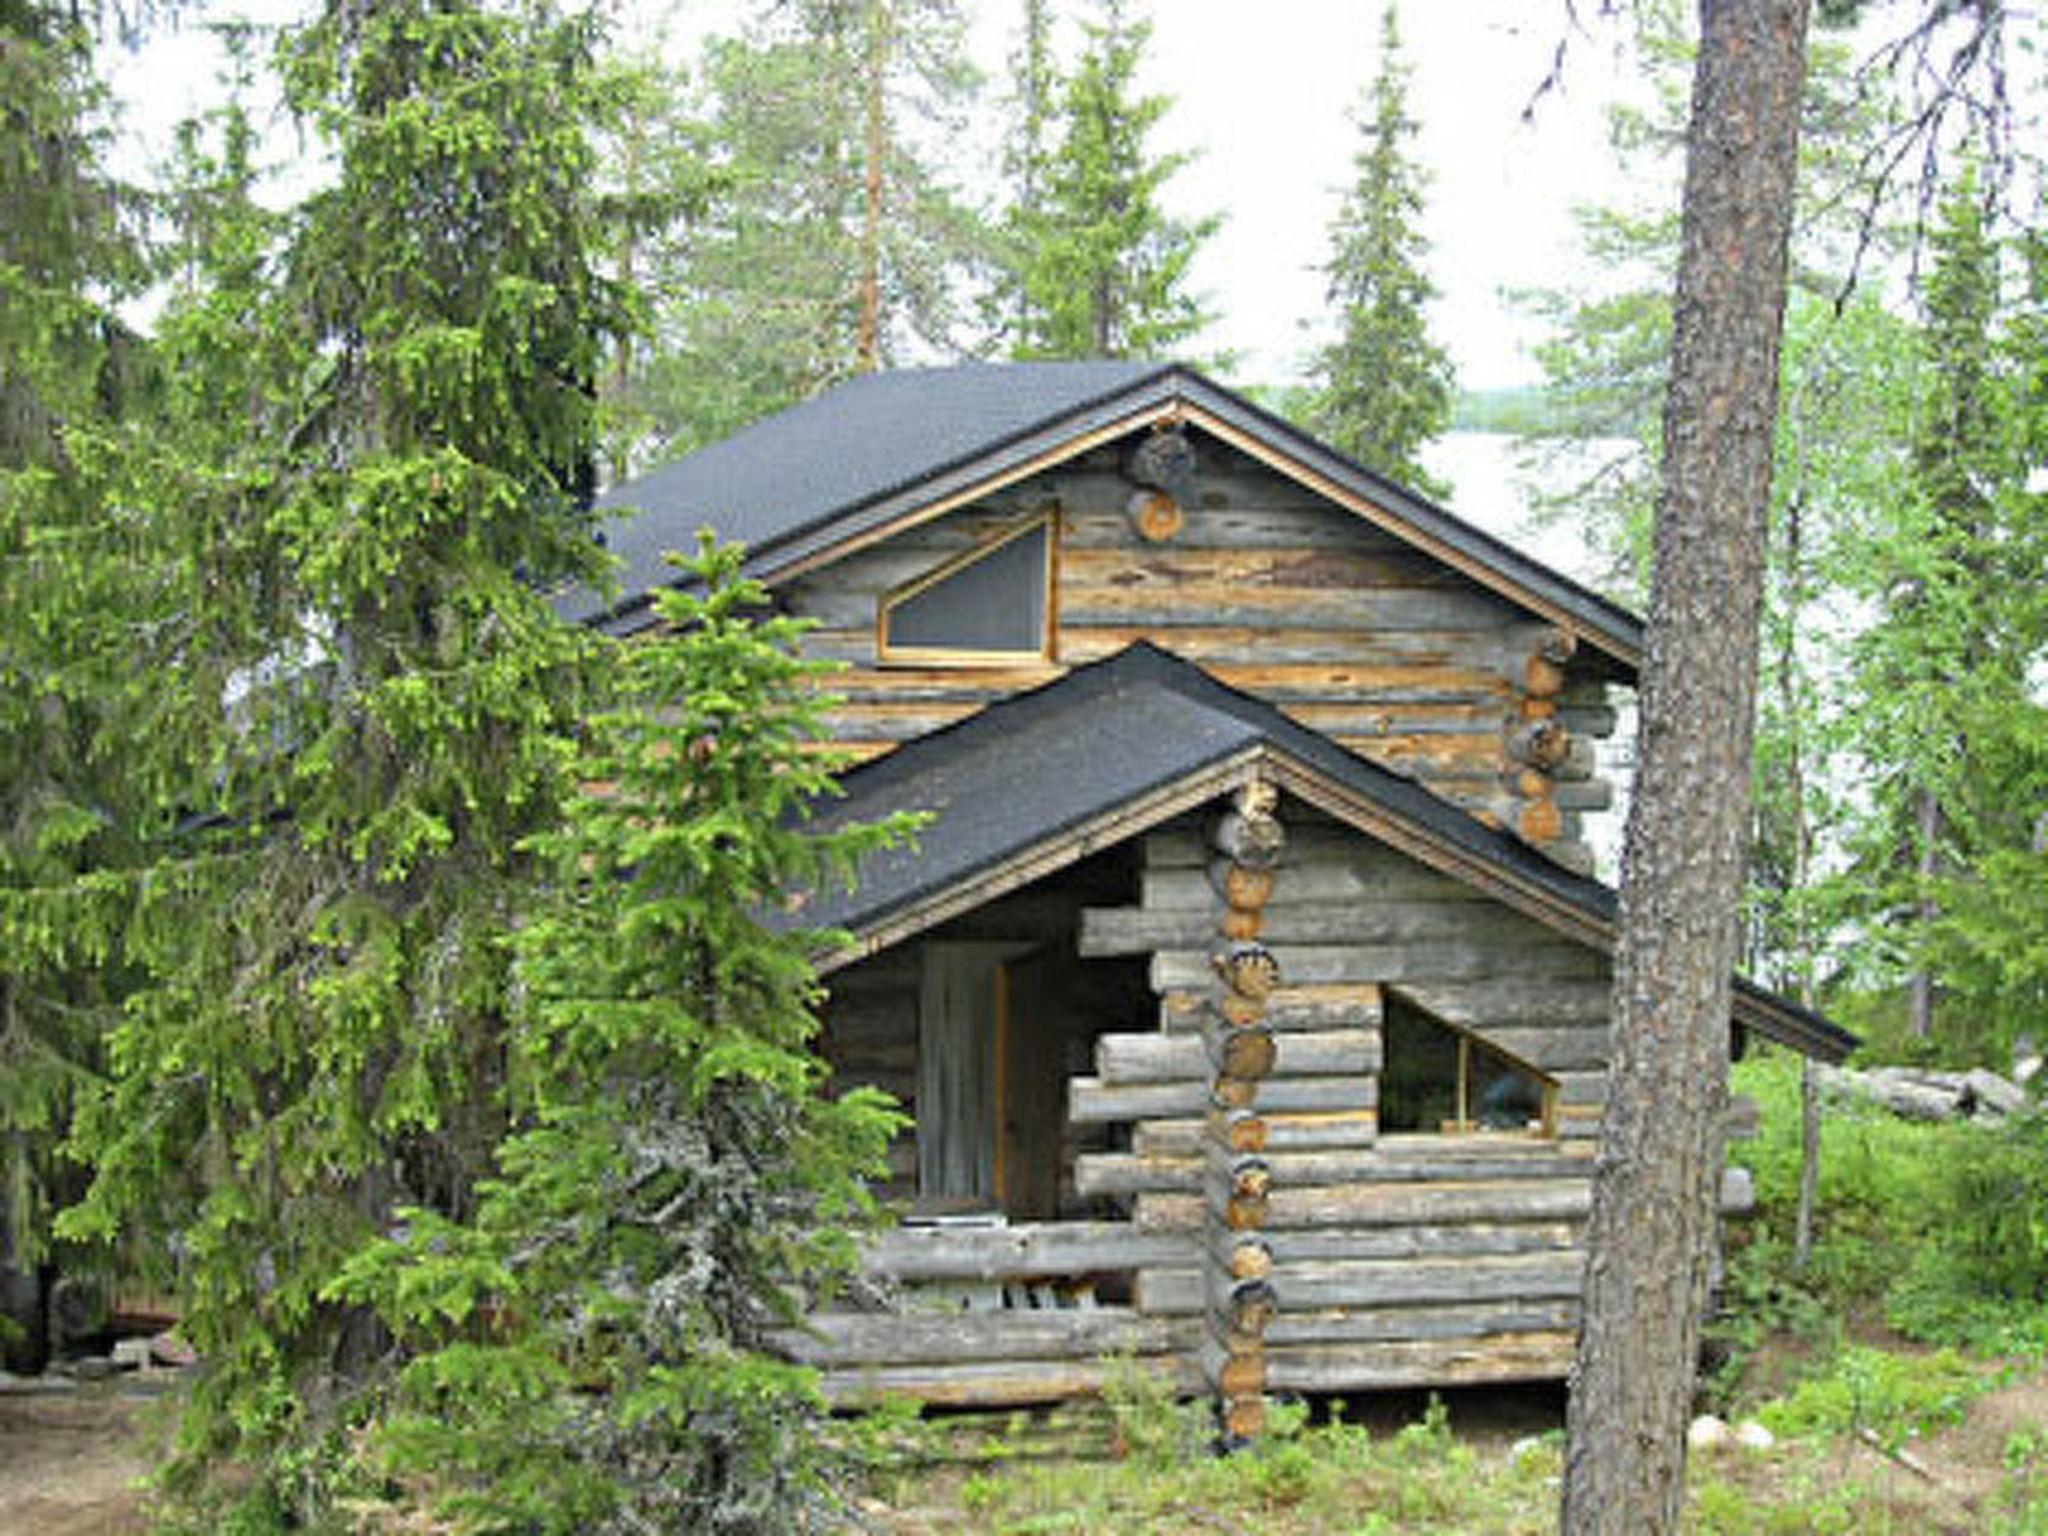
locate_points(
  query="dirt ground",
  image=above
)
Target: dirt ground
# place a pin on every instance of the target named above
(70, 1459)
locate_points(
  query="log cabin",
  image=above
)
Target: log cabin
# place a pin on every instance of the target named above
(1249, 986)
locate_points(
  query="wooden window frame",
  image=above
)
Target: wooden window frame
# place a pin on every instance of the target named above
(1542, 1126)
(957, 656)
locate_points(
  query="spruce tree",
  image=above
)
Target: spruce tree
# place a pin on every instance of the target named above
(1104, 268)
(1383, 387)
(674, 1184)
(81, 584)
(384, 696)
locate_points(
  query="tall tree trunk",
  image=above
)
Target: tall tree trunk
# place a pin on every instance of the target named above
(1932, 825)
(1652, 1229)
(875, 62)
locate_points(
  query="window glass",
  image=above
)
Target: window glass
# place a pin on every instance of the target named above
(1438, 1079)
(992, 602)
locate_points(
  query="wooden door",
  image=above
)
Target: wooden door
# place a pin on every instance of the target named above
(1030, 1085)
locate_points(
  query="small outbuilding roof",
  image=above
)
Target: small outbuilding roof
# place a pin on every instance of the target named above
(888, 449)
(1039, 780)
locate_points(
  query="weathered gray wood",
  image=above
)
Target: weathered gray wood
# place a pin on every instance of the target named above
(1127, 1173)
(1001, 1383)
(1373, 1325)
(1324, 1245)
(948, 1338)
(1273, 1132)
(1304, 882)
(1362, 919)
(1091, 1100)
(1338, 1006)
(1451, 959)
(1152, 1058)
(1216, 602)
(1516, 1001)
(1310, 1287)
(1025, 1251)
(1540, 1356)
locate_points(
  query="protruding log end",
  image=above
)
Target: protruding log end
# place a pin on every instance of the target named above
(1244, 1420)
(1243, 1053)
(1242, 889)
(1241, 1130)
(1251, 1258)
(1540, 744)
(1155, 516)
(1542, 821)
(1255, 839)
(1248, 969)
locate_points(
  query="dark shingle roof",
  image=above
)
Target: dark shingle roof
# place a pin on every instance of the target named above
(864, 440)
(1028, 769)
(884, 444)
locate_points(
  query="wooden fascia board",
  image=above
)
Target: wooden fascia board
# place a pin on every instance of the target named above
(1055, 853)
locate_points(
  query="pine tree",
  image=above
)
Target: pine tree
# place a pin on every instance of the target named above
(1383, 388)
(675, 1182)
(829, 239)
(384, 696)
(1105, 269)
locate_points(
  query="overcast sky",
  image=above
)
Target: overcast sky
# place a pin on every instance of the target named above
(1263, 94)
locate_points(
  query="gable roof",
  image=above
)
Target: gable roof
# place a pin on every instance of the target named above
(1041, 779)
(890, 449)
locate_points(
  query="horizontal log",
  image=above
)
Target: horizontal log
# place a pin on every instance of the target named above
(1127, 1173)
(1090, 1100)
(1360, 919)
(1002, 1383)
(1151, 1058)
(1422, 960)
(950, 1338)
(1165, 573)
(1036, 1250)
(1293, 1214)
(1543, 1356)
(1489, 1200)
(1377, 1325)
(1314, 1287)
(1324, 1245)
(1511, 1001)
(1208, 603)
(1323, 1006)
(1470, 652)
(938, 685)
(1259, 1131)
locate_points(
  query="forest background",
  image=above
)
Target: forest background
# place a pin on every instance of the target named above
(313, 1009)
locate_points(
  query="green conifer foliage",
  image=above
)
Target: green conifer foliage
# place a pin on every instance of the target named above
(77, 587)
(1384, 387)
(1105, 269)
(675, 1180)
(381, 696)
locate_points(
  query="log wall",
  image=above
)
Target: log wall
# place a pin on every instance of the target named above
(1275, 591)
(1234, 1217)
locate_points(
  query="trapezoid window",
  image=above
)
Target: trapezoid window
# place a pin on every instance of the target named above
(993, 603)
(1439, 1079)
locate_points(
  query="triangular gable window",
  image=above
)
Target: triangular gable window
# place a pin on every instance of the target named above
(991, 604)
(1440, 1080)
